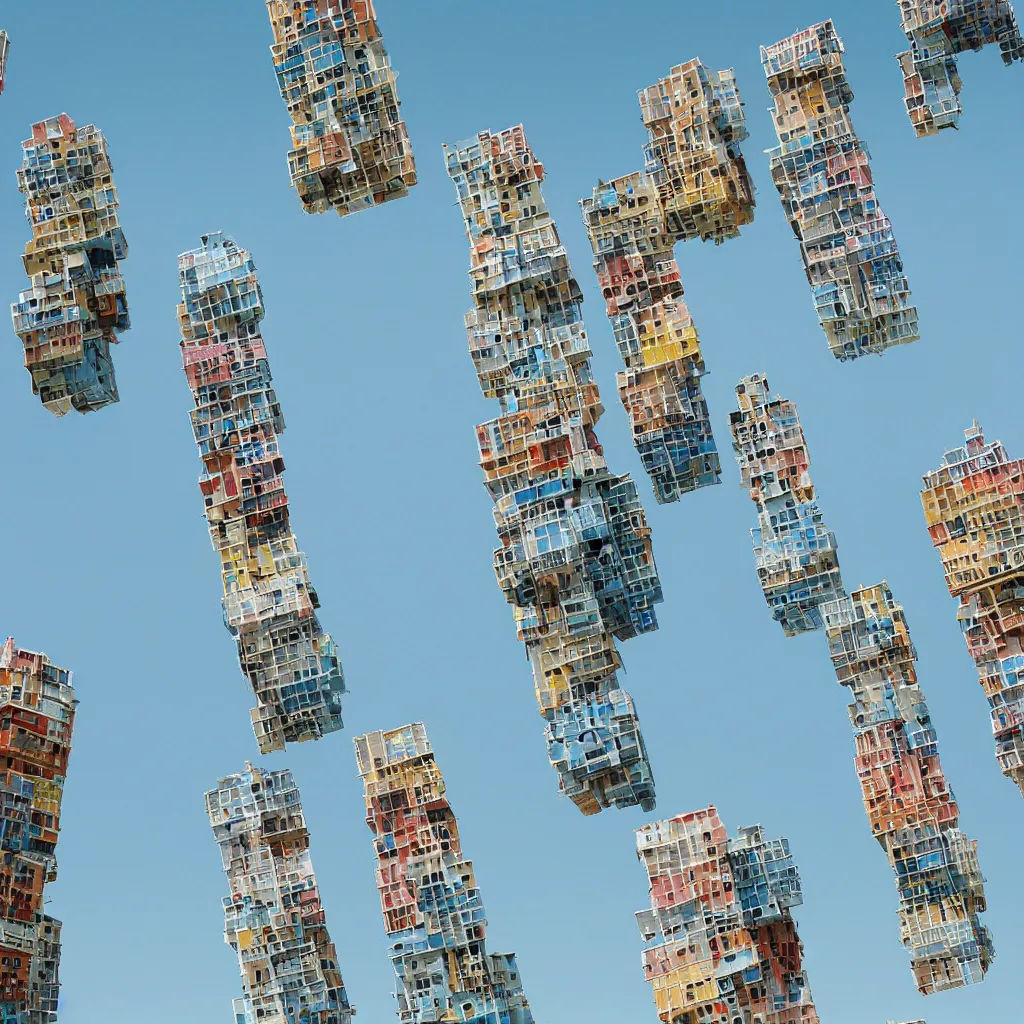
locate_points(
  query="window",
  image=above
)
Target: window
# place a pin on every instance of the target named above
(549, 537)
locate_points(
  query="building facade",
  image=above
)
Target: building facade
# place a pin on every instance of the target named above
(575, 558)
(350, 150)
(76, 305)
(720, 942)
(910, 805)
(694, 185)
(823, 175)
(274, 919)
(269, 602)
(37, 716)
(938, 32)
(433, 912)
(974, 510)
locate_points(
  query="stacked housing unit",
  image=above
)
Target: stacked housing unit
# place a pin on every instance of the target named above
(76, 306)
(796, 554)
(433, 912)
(823, 174)
(911, 808)
(269, 603)
(913, 812)
(720, 943)
(5, 47)
(274, 919)
(575, 558)
(695, 185)
(349, 150)
(37, 707)
(974, 510)
(938, 31)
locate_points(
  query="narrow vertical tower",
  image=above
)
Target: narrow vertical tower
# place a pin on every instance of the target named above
(720, 943)
(350, 150)
(269, 603)
(76, 305)
(575, 559)
(913, 813)
(796, 553)
(5, 47)
(910, 806)
(823, 174)
(433, 912)
(974, 510)
(695, 185)
(273, 918)
(938, 32)
(37, 705)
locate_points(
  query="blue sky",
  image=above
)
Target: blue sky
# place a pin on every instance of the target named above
(108, 568)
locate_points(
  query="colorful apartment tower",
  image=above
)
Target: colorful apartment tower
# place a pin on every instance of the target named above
(433, 912)
(694, 185)
(350, 151)
(5, 46)
(76, 305)
(913, 813)
(823, 174)
(796, 553)
(911, 808)
(38, 715)
(575, 558)
(938, 32)
(974, 509)
(274, 919)
(720, 943)
(269, 603)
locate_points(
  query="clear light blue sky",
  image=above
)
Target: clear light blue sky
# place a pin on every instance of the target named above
(109, 570)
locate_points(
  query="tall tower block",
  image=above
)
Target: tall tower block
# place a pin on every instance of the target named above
(77, 305)
(822, 172)
(909, 802)
(37, 716)
(5, 49)
(433, 911)
(350, 151)
(269, 602)
(938, 32)
(574, 559)
(974, 510)
(910, 805)
(796, 554)
(694, 185)
(720, 943)
(274, 919)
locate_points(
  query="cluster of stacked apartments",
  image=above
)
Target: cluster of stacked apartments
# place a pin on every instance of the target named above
(574, 555)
